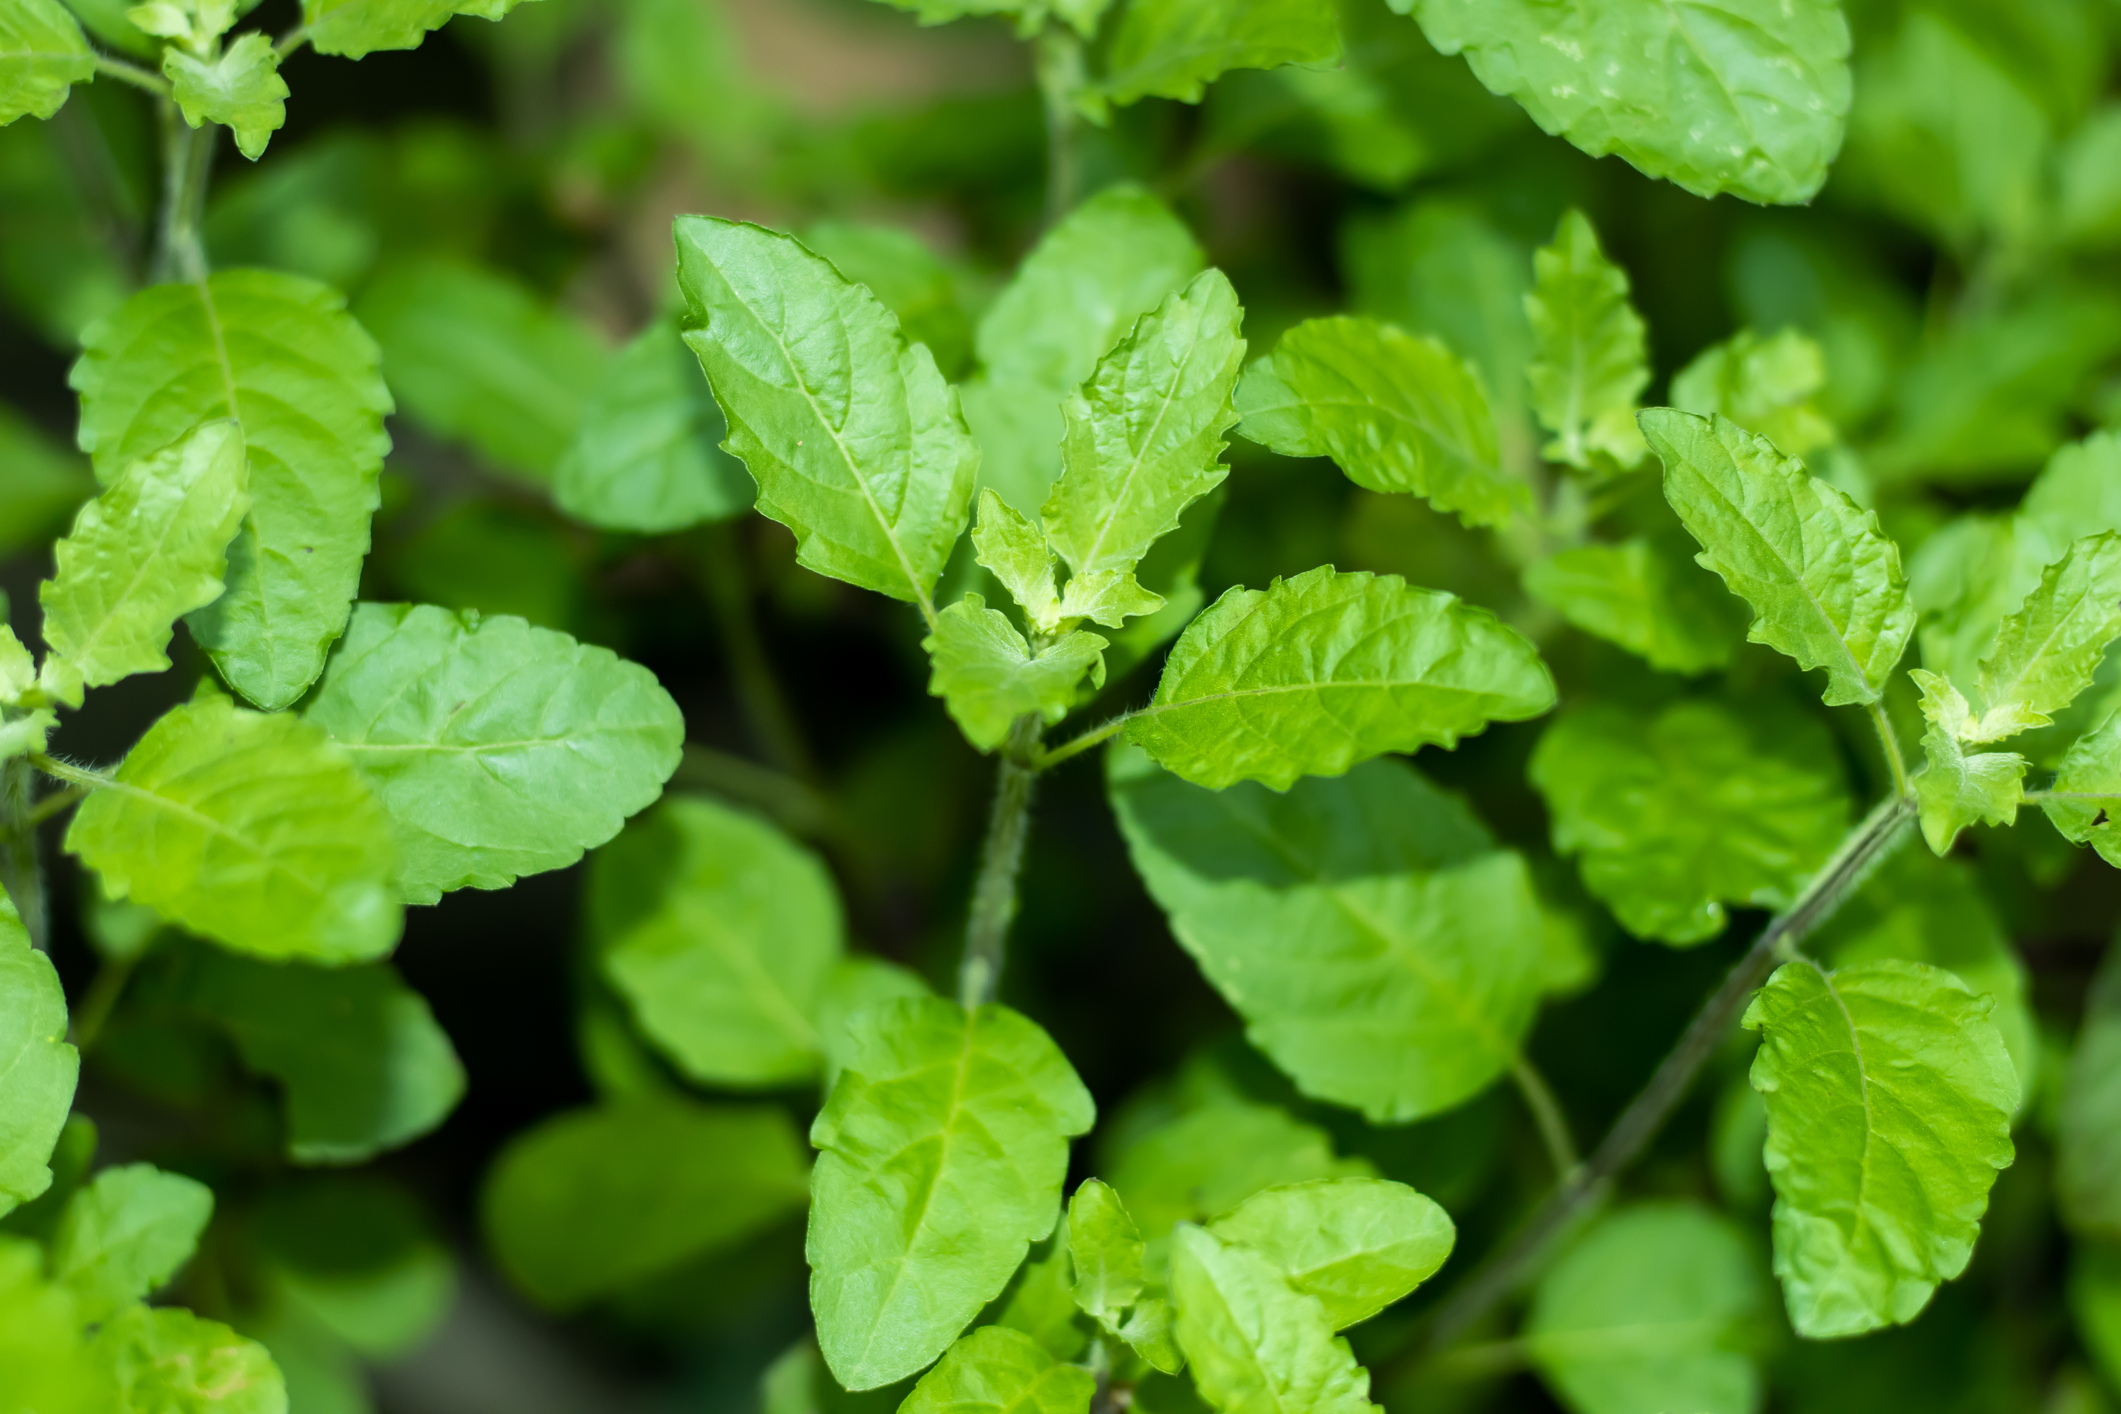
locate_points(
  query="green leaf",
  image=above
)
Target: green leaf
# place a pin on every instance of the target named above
(124, 1235)
(995, 1370)
(1357, 1244)
(357, 1256)
(2084, 803)
(360, 1061)
(1744, 96)
(1318, 672)
(924, 290)
(279, 354)
(1208, 1160)
(854, 985)
(591, 1202)
(721, 934)
(498, 749)
(42, 55)
(1590, 353)
(1651, 1309)
(354, 28)
(1106, 1249)
(2088, 1119)
(1108, 262)
(988, 676)
(1706, 803)
(241, 89)
(165, 1360)
(1960, 787)
(1256, 1345)
(48, 1365)
(1395, 411)
(1824, 581)
(1646, 595)
(942, 1148)
(1380, 947)
(645, 455)
(1765, 385)
(2046, 652)
(853, 436)
(34, 1056)
(1889, 1098)
(1014, 550)
(1175, 48)
(1040, 1301)
(250, 830)
(144, 553)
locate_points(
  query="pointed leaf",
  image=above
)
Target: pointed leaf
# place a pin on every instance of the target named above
(124, 1235)
(1705, 804)
(2088, 1119)
(1765, 385)
(1646, 595)
(279, 354)
(943, 1148)
(42, 55)
(853, 437)
(2084, 803)
(1144, 436)
(995, 1370)
(1824, 581)
(1174, 48)
(18, 669)
(1590, 358)
(147, 551)
(721, 934)
(1318, 672)
(40, 1066)
(1381, 949)
(251, 830)
(1961, 787)
(498, 749)
(1254, 1343)
(242, 90)
(2046, 652)
(1015, 551)
(1889, 1097)
(988, 676)
(165, 1360)
(1357, 1244)
(1744, 96)
(1396, 412)
(1206, 1161)
(1108, 597)
(1106, 1249)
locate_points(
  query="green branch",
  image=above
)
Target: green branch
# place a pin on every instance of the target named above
(1001, 859)
(133, 74)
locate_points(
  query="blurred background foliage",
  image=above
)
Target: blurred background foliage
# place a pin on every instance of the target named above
(497, 204)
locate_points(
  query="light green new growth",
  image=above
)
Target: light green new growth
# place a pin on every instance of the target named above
(1255, 1344)
(2088, 1119)
(354, 28)
(148, 550)
(41, 1339)
(1212, 1157)
(853, 986)
(1645, 595)
(853, 437)
(995, 1370)
(1744, 96)
(1960, 788)
(499, 749)
(942, 1150)
(241, 89)
(251, 830)
(1889, 1098)
(1708, 803)
(1143, 436)
(1395, 411)
(1765, 385)
(2047, 652)
(1357, 1244)
(721, 934)
(123, 1236)
(43, 54)
(988, 676)
(1822, 578)
(1318, 672)
(2085, 801)
(1106, 1249)
(165, 1360)
(1014, 550)
(1590, 355)
(1174, 48)
(279, 354)
(40, 1066)
(1651, 1309)
(1381, 949)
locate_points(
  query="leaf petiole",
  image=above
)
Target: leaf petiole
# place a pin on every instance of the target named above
(1889, 743)
(133, 74)
(1001, 859)
(1043, 760)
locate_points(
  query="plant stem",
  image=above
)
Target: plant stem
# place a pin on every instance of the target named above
(1889, 742)
(1639, 1123)
(187, 161)
(21, 871)
(133, 74)
(102, 999)
(1046, 760)
(1546, 1113)
(291, 41)
(1001, 857)
(1060, 75)
(758, 690)
(73, 775)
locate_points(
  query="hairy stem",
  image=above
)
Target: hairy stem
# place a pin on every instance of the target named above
(1546, 1113)
(21, 870)
(133, 74)
(1047, 760)
(1060, 75)
(765, 706)
(187, 161)
(1639, 1123)
(1889, 743)
(979, 976)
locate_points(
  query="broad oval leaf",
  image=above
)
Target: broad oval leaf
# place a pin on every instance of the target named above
(1255, 1344)
(124, 1235)
(1653, 1308)
(1824, 581)
(721, 933)
(995, 1370)
(1395, 411)
(1889, 1098)
(164, 1359)
(942, 1148)
(2047, 651)
(1318, 672)
(1590, 355)
(2088, 1120)
(591, 1202)
(1380, 948)
(1357, 1244)
(40, 1066)
(1708, 803)
(1647, 596)
(250, 830)
(988, 676)
(1206, 1161)
(280, 354)
(1744, 96)
(1174, 48)
(43, 54)
(148, 550)
(853, 436)
(498, 749)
